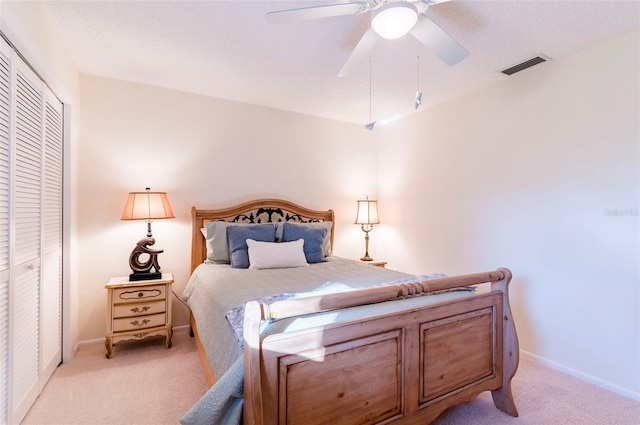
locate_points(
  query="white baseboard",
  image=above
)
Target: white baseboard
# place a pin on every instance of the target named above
(585, 377)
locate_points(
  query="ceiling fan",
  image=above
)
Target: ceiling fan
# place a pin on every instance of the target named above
(391, 19)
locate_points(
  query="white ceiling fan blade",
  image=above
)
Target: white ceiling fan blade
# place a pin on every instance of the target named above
(316, 12)
(432, 2)
(360, 53)
(438, 41)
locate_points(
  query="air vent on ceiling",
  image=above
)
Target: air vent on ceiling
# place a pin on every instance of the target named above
(524, 65)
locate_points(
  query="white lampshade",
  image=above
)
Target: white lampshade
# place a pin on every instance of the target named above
(393, 20)
(367, 212)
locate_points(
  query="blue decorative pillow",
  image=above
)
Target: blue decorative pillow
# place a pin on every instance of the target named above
(326, 244)
(216, 238)
(313, 240)
(237, 239)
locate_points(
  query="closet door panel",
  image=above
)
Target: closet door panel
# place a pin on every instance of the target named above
(27, 218)
(51, 284)
(5, 104)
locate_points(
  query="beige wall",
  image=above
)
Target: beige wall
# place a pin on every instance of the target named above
(527, 174)
(203, 152)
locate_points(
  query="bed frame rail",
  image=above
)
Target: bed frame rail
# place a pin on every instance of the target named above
(314, 304)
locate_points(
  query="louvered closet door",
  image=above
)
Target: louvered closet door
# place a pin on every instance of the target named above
(51, 284)
(26, 261)
(5, 56)
(31, 155)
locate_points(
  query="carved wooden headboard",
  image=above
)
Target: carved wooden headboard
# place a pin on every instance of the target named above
(257, 211)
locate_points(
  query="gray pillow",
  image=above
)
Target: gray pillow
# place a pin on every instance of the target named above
(215, 234)
(313, 239)
(217, 246)
(237, 238)
(326, 242)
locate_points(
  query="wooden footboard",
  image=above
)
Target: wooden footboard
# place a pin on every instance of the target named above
(400, 367)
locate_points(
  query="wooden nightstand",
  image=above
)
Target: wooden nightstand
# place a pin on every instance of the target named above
(136, 310)
(376, 263)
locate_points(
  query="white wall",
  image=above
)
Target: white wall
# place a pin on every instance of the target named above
(29, 30)
(203, 152)
(526, 174)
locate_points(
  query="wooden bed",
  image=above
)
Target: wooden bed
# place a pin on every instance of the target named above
(401, 367)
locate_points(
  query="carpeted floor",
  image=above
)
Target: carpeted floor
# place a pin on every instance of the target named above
(545, 396)
(146, 384)
(142, 383)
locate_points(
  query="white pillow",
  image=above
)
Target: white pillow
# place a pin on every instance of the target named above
(272, 255)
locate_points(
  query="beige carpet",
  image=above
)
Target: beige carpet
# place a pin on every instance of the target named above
(144, 383)
(545, 396)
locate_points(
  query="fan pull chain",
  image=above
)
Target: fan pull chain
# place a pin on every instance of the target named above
(418, 98)
(370, 84)
(371, 124)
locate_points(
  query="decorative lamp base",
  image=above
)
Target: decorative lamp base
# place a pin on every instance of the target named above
(366, 258)
(135, 276)
(142, 270)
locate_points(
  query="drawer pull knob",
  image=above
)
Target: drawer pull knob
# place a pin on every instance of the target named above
(140, 310)
(140, 294)
(144, 322)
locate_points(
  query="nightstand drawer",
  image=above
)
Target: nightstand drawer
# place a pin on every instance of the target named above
(138, 309)
(147, 293)
(141, 322)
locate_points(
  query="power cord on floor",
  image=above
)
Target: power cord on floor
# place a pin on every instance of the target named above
(179, 299)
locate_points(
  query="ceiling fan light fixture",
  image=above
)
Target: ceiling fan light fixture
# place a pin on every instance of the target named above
(394, 20)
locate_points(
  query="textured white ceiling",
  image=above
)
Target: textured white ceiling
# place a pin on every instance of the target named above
(227, 49)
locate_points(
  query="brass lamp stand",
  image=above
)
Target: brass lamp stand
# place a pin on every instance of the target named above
(366, 228)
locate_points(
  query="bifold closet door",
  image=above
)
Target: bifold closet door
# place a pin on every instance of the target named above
(30, 233)
(26, 218)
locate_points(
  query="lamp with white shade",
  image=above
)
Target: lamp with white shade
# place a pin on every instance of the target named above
(366, 217)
